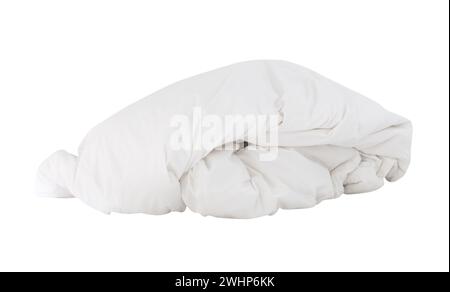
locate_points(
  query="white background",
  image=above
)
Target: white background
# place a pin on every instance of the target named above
(67, 65)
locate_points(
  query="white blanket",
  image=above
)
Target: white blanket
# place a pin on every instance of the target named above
(328, 140)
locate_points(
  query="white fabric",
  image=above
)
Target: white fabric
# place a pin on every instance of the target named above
(332, 141)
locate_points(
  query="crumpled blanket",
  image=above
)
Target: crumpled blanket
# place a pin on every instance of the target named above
(327, 140)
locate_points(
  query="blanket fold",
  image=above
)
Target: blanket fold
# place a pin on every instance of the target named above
(238, 142)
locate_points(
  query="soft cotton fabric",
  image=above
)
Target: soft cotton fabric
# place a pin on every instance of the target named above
(331, 141)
